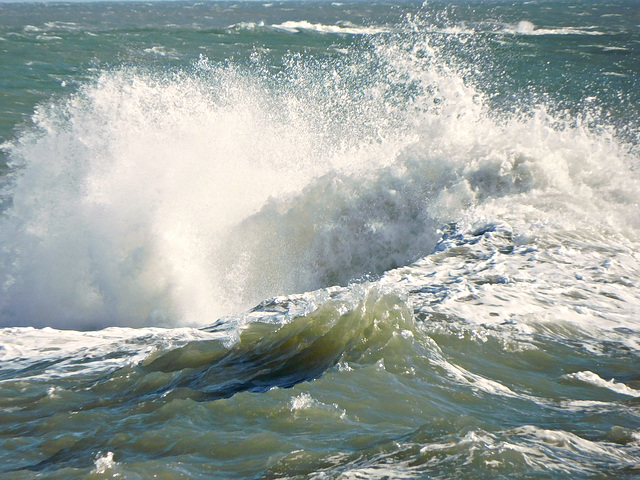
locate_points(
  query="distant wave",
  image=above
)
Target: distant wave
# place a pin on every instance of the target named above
(291, 26)
(343, 28)
(525, 27)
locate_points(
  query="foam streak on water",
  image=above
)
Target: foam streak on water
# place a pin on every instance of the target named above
(293, 240)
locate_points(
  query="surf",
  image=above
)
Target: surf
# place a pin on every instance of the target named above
(151, 198)
(390, 248)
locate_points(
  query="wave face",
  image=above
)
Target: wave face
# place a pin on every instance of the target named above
(320, 240)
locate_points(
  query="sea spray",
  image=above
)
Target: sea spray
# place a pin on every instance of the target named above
(125, 188)
(125, 193)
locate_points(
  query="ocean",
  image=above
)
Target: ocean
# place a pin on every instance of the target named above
(307, 239)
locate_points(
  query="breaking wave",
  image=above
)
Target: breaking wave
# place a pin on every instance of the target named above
(174, 198)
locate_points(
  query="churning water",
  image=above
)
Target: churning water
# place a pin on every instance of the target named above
(320, 240)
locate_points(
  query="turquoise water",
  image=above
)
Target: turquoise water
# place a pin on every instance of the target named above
(320, 240)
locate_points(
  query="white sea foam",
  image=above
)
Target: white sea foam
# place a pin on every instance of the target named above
(72, 353)
(569, 442)
(246, 25)
(478, 382)
(104, 462)
(60, 25)
(596, 380)
(302, 402)
(549, 450)
(160, 51)
(47, 37)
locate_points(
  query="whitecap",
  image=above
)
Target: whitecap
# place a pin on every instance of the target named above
(595, 380)
(104, 462)
(346, 28)
(525, 27)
